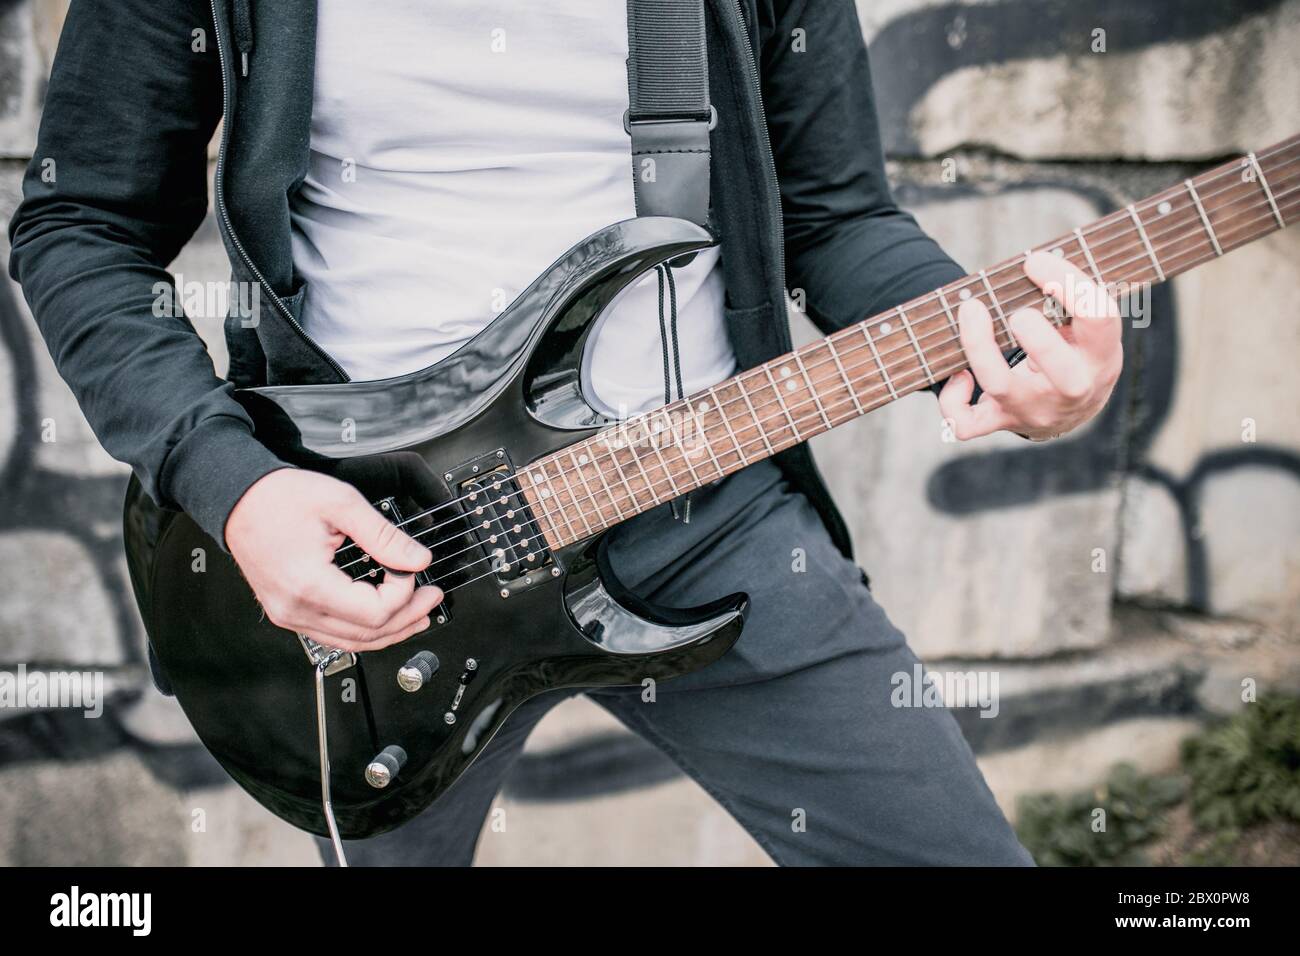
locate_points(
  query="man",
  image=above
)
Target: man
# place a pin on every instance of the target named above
(388, 179)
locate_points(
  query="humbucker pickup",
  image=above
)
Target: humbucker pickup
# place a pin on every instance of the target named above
(501, 521)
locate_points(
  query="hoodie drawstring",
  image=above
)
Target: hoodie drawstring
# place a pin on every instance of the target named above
(243, 17)
(668, 332)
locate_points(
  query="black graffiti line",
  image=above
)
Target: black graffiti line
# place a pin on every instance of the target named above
(914, 52)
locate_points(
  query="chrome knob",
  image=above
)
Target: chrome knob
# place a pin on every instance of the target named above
(381, 771)
(416, 672)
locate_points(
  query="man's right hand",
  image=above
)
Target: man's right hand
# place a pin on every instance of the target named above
(283, 534)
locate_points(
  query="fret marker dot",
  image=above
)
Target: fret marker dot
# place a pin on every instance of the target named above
(787, 372)
(1164, 208)
(583, 459)
(964, 294)
(791, 385)
(537, 479)
(885, 328)
(703, 406)
(546, 492)
(1058, 251)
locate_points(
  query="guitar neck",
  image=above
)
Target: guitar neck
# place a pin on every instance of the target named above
(658, 456)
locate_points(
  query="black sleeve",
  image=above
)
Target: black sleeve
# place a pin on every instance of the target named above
(116, 187)
(848, 246)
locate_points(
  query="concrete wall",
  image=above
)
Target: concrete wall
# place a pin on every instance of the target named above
(1122, 581)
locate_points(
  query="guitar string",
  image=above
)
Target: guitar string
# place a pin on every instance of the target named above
(650, 485)
(855, 330)
(779, 443)
(849, 417)
(997, 270)
(1035, 295)
(835, 404)
(1229, 169)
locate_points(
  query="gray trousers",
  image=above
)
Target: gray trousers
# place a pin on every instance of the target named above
(792, 732)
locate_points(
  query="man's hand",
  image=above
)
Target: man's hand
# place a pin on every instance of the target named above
(1068, 375)
(283, 534)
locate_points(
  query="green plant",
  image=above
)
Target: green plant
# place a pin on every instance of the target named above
(1070, 831)
(1247, 769)
(1236, 774)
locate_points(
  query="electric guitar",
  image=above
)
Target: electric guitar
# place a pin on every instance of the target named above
(494, 460)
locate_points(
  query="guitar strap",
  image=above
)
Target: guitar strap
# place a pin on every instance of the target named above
(669, 115)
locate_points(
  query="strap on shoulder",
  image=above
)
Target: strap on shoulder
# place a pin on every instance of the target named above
(669, 115)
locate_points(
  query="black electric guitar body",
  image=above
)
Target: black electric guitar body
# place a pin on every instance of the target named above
(439, 451)
(495, 460)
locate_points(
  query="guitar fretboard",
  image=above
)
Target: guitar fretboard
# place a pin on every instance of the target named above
(656, 457)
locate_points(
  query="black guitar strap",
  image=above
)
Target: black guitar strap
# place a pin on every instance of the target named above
(669, 115)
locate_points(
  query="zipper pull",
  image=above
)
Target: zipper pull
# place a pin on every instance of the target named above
(243, 63)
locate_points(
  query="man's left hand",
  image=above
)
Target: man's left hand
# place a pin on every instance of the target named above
(1068, 374)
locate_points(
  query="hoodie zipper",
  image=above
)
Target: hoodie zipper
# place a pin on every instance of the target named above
(225, 214)
(778, 224)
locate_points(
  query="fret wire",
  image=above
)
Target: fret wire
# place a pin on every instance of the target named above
(781, 398)
(562, 510)
(536, 505)
(811, 390)
(943, 301)
(920, 353)
(581, 513)
(866, 334)
(1092, 263)
(762, 432)
(1047, 308)
(703, 431)
(654, 445)
(583, 478)
(984, 276)
(1205, 219)
(1137, 221)
(726, 422)
(680, 445)
(1277, 214)
(609, 492)
(853, 394)
(618, 469)
(645, 475)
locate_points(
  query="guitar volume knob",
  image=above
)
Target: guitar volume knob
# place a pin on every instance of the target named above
(381, 771)
(416, 672)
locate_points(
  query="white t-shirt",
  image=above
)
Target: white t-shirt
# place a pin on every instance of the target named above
(457, 149)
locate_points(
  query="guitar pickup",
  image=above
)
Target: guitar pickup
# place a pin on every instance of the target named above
(505, 528)
(360, 566)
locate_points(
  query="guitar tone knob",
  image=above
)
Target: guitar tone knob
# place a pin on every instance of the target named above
(381, 771)
(416, 672)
